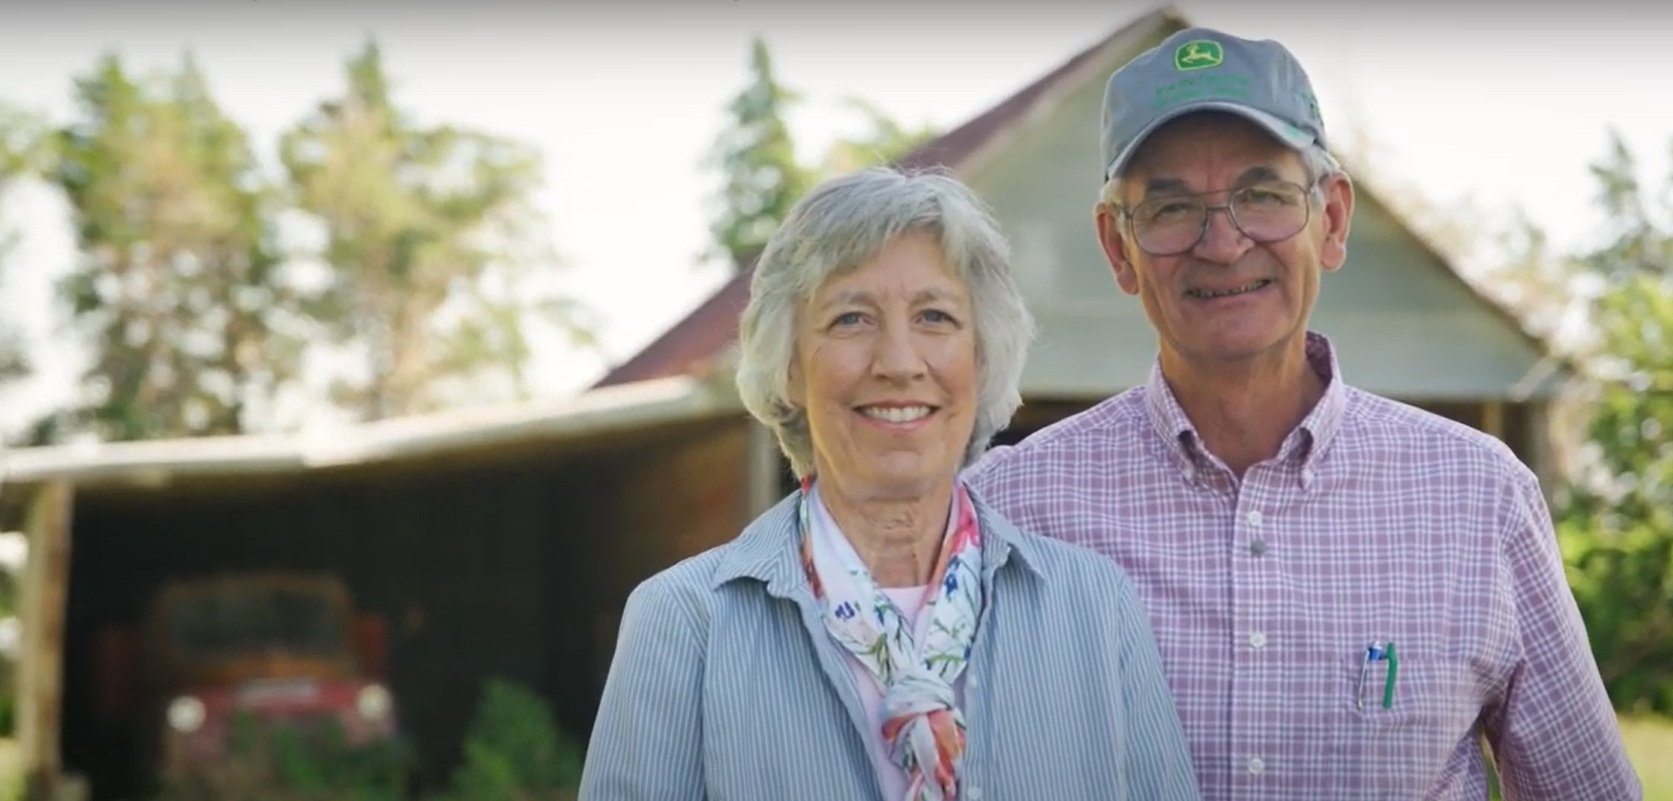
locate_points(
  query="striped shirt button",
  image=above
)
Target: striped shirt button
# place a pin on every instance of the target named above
(1253, 519)
(1257, 640)
(1257, 766)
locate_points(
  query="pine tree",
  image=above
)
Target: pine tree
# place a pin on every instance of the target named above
(761, 178)
(432, 244)
(177, 285)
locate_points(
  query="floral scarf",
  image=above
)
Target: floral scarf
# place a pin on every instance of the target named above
(923, 725)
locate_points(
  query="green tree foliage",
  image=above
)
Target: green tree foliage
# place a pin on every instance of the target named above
(761, 178)
(884, 140)
(25, 143)
(431, 242)
(177, 284)
(514, 750)
(1617, 527)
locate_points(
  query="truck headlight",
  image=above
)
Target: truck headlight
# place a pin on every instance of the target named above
(185, 714)
(374, 702)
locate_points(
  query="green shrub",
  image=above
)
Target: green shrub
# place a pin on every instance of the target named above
(514, 750)
(282, 764)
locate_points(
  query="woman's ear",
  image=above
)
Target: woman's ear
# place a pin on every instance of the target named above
(793, 389)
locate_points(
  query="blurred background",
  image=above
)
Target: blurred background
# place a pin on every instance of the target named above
(341, 346)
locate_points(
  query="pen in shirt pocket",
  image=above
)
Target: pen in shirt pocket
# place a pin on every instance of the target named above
(1379, 655)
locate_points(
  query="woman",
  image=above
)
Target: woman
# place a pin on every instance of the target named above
(880, 633)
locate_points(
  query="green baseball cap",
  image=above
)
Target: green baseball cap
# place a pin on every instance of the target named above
(1199, 69)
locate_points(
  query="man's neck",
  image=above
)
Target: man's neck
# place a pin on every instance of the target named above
(1243, 412)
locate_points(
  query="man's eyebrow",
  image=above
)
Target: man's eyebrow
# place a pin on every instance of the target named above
(1258, 173)
(1175, 186)
(1154, 186)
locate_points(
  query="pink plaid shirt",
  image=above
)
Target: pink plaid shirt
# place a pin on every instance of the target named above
(1375, 523)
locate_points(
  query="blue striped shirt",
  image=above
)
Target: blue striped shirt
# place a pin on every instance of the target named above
(726, 686)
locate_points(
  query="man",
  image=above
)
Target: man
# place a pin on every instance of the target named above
(1348, 592)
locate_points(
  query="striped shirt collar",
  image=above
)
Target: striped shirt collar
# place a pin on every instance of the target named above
(767, 550)
(1306, 444)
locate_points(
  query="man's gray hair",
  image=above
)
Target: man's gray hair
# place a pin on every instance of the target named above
(844, 223)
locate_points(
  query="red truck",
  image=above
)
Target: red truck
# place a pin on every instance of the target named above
(276, 649)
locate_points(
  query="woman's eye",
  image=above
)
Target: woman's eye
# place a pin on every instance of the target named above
(936, 316)
(847, 319)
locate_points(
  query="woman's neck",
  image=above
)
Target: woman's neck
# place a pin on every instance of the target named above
(897, 537)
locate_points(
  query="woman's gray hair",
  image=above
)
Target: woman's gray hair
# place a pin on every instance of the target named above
(840, 225)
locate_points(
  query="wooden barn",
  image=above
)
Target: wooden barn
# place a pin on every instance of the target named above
(494, 543)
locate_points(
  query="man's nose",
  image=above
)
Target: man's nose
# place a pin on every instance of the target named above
(1222, 241)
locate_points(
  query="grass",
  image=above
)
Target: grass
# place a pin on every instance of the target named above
(1649, 743)
(11, 773)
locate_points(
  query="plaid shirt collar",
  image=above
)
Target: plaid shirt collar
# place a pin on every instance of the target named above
(1304, 446)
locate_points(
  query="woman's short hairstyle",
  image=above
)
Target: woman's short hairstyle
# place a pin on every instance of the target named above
(844, 223)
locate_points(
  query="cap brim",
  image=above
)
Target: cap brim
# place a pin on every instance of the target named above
(1294, 137)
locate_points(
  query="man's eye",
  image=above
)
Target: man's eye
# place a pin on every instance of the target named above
(847, 319)
(1168, 211)
(936, 316)
(1264, 197)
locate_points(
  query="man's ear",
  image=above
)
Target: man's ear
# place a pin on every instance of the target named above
(1337, 216)
(1114, 243)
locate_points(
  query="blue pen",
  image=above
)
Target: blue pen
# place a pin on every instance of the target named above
(1374, 653)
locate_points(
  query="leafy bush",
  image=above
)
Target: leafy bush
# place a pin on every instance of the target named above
(514, 750)
(266, 764)
(1616, 528)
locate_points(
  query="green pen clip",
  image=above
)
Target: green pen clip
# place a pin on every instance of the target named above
(1393, 673)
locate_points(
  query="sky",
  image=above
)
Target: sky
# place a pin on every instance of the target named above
(1479, 106)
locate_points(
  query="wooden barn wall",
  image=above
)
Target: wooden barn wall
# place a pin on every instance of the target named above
(670, 505)
(504, 570)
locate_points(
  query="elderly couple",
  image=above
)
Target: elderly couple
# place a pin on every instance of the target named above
(1243, 580)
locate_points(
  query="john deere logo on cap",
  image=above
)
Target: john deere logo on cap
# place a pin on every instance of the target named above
(1197, 55)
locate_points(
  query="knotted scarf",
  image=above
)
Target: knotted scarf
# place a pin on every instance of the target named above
(923, 726)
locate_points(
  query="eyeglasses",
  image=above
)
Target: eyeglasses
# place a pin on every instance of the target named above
(1269, 211)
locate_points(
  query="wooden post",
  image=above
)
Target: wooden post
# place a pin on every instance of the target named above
(1493, 418)
(1542, 450)
(761, 471)
(40, 691)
